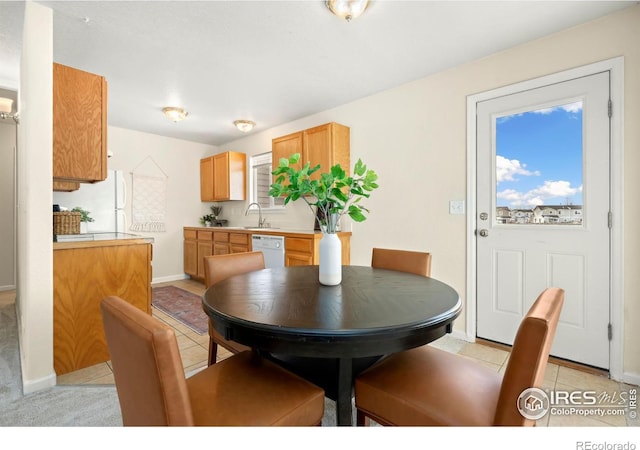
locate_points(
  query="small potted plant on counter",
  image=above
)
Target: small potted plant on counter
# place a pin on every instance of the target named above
(84, 218)
(207, 220)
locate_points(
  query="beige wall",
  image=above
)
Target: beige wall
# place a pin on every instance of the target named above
(180, 161)
(414, 136)
(7, 204)
(34, 173)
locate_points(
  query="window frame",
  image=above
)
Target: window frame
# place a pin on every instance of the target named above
(261, 160)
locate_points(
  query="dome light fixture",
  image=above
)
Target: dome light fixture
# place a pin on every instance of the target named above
(175, 114)
(244, 125)
(6, 107)
(347, 9)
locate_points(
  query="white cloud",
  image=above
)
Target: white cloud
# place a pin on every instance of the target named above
(549, 190)
(506, 169)
(570, 108)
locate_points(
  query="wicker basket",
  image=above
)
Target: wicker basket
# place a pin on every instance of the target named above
(66, 222)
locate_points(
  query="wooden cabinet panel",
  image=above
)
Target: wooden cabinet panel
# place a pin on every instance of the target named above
(191, 257)
(79, 125)
(65, 186)
(82, 277)
(284, 147)
(206, 180)
(205, 248)
(327, 145)
(223, 177)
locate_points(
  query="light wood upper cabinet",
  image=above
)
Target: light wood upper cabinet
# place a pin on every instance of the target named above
(79, 125)
(285, 146)
(223, 177)
(327, 145)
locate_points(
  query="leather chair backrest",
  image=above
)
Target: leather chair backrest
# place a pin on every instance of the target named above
(529, 356)
(219, 267)
(418, 263)
(147, 367)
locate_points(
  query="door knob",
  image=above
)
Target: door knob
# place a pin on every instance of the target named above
(484, 233)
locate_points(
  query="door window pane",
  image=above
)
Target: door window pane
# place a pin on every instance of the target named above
(539, 166)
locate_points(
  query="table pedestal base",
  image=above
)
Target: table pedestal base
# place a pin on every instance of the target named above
(334, 375)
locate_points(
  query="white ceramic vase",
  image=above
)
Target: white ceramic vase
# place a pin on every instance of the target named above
(330, 259)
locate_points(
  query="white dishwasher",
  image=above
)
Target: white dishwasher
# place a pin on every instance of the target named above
(272, 247)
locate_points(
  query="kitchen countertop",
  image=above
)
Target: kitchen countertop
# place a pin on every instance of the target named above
(62, 241)
(269, 230)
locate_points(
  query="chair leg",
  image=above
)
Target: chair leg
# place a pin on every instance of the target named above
(361, 419)
(213, 351)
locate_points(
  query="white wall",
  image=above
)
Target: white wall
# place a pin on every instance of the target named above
(414, 136)
(180, 161)
(7, 204)
(34, 295)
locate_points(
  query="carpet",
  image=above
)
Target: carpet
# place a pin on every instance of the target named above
(184, 306)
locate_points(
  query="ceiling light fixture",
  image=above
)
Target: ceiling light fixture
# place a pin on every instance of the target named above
(175, 114)
(347, 9)
(244, 125)
(6, 106)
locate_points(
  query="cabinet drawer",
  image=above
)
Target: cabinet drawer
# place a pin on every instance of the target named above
(239, 238)
(205, 235)
(299, 245)
(190, 235)
(220, 237)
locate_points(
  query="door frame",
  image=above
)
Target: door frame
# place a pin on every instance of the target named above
(616, 290)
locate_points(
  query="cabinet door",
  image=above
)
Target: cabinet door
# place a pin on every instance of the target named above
(221, 177)
(65, 186)
(284, 147)
(191, 258)
(327, 145)
(79, 125)
(204, 249)
(206, 179)
(82, 277)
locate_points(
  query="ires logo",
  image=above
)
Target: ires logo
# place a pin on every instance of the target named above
(534, 403)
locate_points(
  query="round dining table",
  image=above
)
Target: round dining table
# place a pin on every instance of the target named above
(329, 334)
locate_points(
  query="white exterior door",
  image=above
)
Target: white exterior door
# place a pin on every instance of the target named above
(543, 158)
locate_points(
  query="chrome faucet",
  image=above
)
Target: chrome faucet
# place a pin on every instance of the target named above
(260, 219)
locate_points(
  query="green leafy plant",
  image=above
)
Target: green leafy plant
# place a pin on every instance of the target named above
(333, 194)
(84, 215)
(207, 218)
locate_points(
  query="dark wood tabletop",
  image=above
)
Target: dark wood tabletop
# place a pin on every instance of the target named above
(329, 334)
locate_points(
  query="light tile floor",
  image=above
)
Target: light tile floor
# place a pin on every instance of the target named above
(194, 351)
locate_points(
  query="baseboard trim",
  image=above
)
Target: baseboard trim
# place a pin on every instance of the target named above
(552, 359)
(631, 378)
(31, 386)
(166, 279)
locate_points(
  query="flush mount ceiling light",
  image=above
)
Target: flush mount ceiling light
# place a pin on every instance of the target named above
(244, 125)
(347, 9)
(175, 114)
(6, 106)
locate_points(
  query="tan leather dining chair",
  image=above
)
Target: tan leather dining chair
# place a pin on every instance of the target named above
(242, 390)
(217, 268)
(427, 386)
(418, 263)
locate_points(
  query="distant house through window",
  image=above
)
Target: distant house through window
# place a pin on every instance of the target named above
(260, 180)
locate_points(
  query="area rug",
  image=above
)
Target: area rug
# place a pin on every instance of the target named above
(184, 306)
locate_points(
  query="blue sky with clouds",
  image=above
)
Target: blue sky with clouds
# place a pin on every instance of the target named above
(539, 157)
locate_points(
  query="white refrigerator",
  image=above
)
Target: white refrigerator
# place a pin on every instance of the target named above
(105, 201)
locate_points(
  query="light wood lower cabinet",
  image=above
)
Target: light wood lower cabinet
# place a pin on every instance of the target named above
(301, 249)
(83, 274)
(199, 243)
(305, 251)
